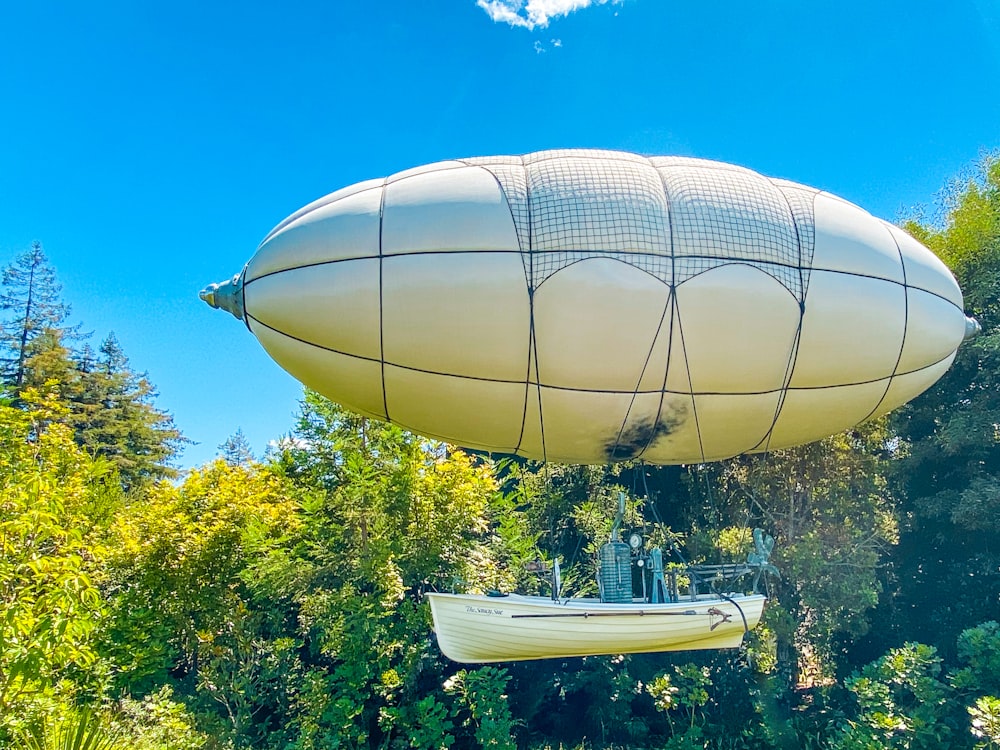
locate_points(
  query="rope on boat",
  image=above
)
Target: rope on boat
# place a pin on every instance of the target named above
(746, 628)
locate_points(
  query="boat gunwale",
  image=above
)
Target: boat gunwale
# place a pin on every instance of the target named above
(625, 608)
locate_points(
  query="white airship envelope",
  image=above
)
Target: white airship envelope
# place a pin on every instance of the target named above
(590, 306)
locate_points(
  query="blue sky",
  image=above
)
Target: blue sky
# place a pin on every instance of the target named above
(151, 146)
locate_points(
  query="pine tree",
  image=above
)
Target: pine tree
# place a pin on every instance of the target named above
(114, 417)
(49, 363)
(236, 451)
(31, 297)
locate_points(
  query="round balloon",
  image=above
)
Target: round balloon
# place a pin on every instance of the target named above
(591, 306)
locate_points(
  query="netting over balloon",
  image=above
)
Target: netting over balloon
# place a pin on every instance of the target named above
(671, 217)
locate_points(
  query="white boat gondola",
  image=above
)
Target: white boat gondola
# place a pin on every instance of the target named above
(476, 629)
(472, 628)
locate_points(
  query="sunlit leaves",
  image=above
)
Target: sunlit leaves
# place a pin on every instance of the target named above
(174, 561)
(48, 603)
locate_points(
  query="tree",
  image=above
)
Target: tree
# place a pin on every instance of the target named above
(236, 451)
(113, 416)
(48, 603)
(31, 297)
(947, 562)
(174, 563)
(384, 516)
(831, 512)
(903, 703)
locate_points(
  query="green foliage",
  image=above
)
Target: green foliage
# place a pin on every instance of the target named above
(81, 729)
(904, 702)
(428, 723)
(979, 649)
(113, 416)
(482, 694)
(986, 722)
(156, 722)
(173, 564)
(949, 473)
(831, 511)
(379, 518)
(684, 691)
(48, 603)
(110, 407)
(236, 450)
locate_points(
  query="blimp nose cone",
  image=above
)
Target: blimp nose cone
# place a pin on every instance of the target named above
(226, 295)
(972, 328)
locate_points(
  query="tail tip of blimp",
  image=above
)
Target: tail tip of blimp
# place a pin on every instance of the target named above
(226, 295)
(972, 328)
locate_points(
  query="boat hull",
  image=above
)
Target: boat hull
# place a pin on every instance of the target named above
(480, 629)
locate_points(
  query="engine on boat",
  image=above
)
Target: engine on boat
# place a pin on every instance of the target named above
(614, 577)
(618, 560)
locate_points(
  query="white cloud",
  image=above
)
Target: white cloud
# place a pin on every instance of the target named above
(530, 14)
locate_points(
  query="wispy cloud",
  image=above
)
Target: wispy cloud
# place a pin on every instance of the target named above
(530, 14)
(540, 48)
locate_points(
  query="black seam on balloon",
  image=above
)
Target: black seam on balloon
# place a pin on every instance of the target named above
(595, 254)
(538, 386)
(831, 270)
(642, 372)
(796, 342)
(798, 241)
(614, 255)
(724, 262)
(589, 390)
(538, 389)
(812, 250)
(783, 391)
(531, 316)
(747, 264)
(672, 303)
(243, 295)
(687, 366)
(300, 214)
(334, 261)
(332, 350)
(891, 281)
(513, 221)
(381, 307)
(601, 256)
(906, 323)
(786, 381)
(527, 281)
(611, 256)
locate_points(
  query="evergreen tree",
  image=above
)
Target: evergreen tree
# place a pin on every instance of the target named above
(236, 451)
(114, 417)
(50, 366)
(31, 297)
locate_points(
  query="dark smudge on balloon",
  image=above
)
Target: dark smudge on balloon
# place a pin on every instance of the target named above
(640, 434)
